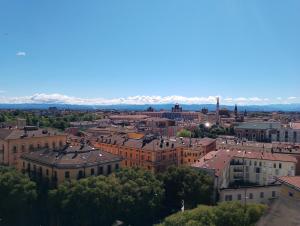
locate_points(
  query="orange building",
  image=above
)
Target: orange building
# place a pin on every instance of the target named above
(149, 152)
(197, 149)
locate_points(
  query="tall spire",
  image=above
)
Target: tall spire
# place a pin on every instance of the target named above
(218, 111)
(235, 111)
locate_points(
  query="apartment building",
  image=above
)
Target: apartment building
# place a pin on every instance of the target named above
(68, 162)
(235, 170)
(15, 142)
(269, 131)
(151, 152)
(197, 149)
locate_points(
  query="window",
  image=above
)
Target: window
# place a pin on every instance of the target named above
(255, 163)
(228, 198)
(100, 169)
(53, 145)
(23, 164)
(239, 197)
(47, 172)
(15, 149)
(273, 194)
(250, 196)
(80, 174)
(67, 174)
(23, 148)
(108, 169)
(92, 171)
(274, 165)
(279, 165)
(60, 143)
(262, 195)
(40, 171)
(291, 194)
(117, 166)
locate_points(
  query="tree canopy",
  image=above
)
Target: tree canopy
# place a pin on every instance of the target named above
(227, 213)
(132, 196)
(185, 183)
(17, 197)
(184, 133)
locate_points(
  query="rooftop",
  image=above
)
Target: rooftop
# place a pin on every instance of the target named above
(71, 157)
(10, 134)
(291, 181)
(153, 143)
(219, 160)
(259, 125)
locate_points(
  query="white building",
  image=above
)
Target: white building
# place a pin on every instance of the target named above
(234, 169)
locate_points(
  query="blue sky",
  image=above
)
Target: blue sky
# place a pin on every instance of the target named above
(106, 50)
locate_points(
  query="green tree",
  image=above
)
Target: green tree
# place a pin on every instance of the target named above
(90, 201)
(131, 195)
(225, 214)
(185, 183)
(184, 133)
(141, 196)
(17, 197)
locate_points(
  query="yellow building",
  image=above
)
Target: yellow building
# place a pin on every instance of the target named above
(69, 162)
(15, 142)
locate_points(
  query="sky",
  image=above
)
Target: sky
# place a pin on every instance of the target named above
(158, 51)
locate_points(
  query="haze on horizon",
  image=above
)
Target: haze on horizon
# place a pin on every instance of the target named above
(150, 52)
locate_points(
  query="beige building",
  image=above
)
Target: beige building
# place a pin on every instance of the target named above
(252, 194)
(69, 162)
(15, 142)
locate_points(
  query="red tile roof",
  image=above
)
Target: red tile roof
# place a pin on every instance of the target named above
(294, 181)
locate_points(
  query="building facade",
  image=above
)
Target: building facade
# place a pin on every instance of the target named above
(15, 142)
(237, 169)
(153, 153)
(67, 163)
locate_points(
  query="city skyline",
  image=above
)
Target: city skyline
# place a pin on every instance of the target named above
(138, 52)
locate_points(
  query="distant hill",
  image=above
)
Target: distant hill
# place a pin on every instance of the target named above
(157, 107)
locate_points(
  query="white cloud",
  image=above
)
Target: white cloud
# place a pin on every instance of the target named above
(21, 53)
(292, 98)
(136, 100)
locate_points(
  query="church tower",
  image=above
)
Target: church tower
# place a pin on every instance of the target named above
(235, 111)
(218, 111)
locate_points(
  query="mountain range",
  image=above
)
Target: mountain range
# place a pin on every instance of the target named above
(157, 107)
